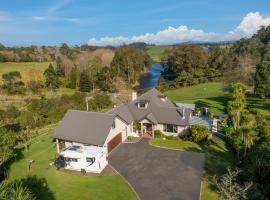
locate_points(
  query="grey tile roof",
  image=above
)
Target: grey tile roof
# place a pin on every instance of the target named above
(85, 127)
(93, 128)
(123, 112)
(163, 111)
(151, 118)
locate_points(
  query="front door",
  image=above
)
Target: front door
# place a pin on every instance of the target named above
(148, 133)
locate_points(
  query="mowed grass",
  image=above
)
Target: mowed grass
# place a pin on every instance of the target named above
(214, 96)
(219, 157)
(24, 68)
(158, 52)
(64, 185)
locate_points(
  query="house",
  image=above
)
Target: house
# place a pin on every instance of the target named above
(105, 131)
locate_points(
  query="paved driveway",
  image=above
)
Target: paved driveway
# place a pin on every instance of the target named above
(159, 174)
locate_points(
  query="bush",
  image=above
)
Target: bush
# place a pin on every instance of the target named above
(199, 133)
(158, 134)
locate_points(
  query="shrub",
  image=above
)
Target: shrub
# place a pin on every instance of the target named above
(199, 133)
(158, 134)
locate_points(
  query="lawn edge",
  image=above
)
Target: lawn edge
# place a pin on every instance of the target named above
(125, 181)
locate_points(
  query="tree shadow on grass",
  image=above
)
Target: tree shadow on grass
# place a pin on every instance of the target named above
(219, 158)
(5, 168)
(38, 187)
(220, 102)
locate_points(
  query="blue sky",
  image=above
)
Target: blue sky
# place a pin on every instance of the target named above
(51, 22)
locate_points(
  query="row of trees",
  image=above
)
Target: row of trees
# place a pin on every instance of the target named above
(127, 64)
(248, 133)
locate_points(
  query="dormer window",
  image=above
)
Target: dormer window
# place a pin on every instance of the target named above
(142, 104)
(162, 97)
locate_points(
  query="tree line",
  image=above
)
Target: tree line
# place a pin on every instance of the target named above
(246, 60)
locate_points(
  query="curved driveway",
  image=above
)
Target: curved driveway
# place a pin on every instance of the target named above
(157, 173)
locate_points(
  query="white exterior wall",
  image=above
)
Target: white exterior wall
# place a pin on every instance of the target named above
(120, 126)
(99, 164)
(180, 129)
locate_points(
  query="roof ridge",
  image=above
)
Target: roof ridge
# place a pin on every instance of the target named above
(91, 112)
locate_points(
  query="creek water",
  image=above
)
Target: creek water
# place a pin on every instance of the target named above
(150, 79)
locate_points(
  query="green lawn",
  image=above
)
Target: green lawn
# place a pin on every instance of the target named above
(218, 158)
(214, 96)
(65, 185)
(23, 67)
(157, 52)
(211, 95)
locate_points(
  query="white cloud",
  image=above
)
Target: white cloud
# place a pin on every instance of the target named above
(39, 18)
(249, 25)
(47, 18)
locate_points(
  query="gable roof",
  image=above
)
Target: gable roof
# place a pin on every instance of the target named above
(123, 112)
(163, 111)
(85, 127)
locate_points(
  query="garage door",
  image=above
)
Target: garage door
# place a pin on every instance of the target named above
(114, 142)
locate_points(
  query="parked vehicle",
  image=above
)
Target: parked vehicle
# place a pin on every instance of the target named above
(82, 158)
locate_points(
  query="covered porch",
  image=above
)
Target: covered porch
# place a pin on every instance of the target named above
(144, 128)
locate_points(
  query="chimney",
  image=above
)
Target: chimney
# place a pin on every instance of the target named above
(134, 96)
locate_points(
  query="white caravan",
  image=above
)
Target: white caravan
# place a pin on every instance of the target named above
(83, 158)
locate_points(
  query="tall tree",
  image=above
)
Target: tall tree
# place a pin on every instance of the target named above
(229, 188)
(129, 62)
(85, 85)
(189, 58)
(262, 79)
(238, 103)
(59, 67)
(72, 83)
(51, 78)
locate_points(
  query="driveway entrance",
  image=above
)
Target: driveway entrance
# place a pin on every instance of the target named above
(157, 173)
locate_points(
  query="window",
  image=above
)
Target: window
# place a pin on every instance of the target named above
(113, 125)
(90, 160)
(71, 159)
(170, 128)
(142, 105)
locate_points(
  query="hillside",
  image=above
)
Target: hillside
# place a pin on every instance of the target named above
(214, 96)
(157, 53)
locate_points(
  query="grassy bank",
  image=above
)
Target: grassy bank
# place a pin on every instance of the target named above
(25, 68)
(63, 185)
(158, 52)
(211, 95)
(218, 157)
(214, 96)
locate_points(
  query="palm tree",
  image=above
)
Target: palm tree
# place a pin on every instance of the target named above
(238, 103)
(248, 124)
(14, 191)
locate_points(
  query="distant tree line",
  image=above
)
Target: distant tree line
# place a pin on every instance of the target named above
(246, 60)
